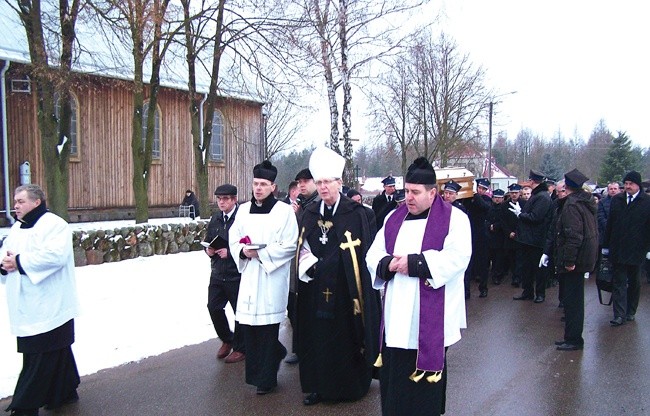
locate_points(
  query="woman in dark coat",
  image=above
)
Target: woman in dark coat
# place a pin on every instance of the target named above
(191, 200)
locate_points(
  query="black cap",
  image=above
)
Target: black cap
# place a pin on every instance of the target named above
(304, 174)
(514, 187)
(226, 190)
(536, 176)
(421, 172)
(265, 170)
(633, 176)
(499, 193)
(452, 186)
(400, 195)
(483, 182)
(352, 192)
(574, 179)
(388, 181)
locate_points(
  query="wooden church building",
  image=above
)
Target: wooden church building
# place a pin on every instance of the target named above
(101, 167)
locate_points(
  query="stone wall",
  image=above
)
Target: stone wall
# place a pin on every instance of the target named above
(143, 240)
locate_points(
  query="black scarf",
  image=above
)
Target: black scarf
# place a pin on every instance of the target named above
(265, 208)
(32, 216)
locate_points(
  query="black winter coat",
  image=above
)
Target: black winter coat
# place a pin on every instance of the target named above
(192, 200)
(628, 229)
(576, 233)
(535, 217)
(381, 207)
(478, 208)
(222, 269)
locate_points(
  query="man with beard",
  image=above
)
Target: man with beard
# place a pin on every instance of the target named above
(38, 269)
(419, 259)
(263, 241)
(338, 310)
(533, 220)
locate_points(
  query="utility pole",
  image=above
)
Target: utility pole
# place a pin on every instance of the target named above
(491, 106)
(490, 145)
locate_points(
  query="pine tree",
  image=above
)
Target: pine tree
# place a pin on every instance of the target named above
(550, 167)
(619, 160)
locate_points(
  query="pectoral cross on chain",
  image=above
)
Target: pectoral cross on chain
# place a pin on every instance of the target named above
(327, 294)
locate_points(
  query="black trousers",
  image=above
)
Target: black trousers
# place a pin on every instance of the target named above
(264, 353)
(533, 281)
(291, 313)
(480, 262)
(626, 289)
(498, 261)
(219, 294)
(574, 306)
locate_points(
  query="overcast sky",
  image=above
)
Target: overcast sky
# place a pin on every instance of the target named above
(572, 63)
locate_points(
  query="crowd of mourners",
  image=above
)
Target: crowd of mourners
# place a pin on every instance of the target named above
(371, 292)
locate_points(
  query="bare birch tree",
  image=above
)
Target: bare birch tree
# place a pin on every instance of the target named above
(337, 39)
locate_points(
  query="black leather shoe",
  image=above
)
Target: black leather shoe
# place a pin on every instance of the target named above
(311, 399)
(630, 318)
(539, 299)
(560, 342)
(523, 297)
(568, 347)
(483, 294)
(618, 321)
(262, 390)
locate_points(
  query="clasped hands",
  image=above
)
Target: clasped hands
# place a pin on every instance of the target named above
(9, 262)
(399, 264)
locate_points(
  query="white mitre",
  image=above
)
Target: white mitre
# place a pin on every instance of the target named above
(326, 163)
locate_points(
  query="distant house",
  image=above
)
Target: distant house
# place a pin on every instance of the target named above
(101, 166)
(501, 178)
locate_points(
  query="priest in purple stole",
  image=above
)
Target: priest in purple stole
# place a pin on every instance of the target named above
(419, 259)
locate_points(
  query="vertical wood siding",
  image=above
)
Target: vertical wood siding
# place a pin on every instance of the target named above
(102, 175)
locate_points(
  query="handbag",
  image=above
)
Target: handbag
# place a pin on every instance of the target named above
(604, 279)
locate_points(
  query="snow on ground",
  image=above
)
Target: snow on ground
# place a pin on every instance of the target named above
(131, 310)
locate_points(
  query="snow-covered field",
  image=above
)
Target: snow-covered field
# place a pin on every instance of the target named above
(130, 310)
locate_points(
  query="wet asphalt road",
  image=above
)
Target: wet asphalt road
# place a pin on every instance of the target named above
(506, 364)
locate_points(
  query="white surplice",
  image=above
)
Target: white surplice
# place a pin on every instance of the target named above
(447, 268)
(264, 286)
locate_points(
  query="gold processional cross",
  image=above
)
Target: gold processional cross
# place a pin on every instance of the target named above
(350, 245)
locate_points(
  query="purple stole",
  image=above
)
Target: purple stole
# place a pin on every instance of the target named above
(431, 336)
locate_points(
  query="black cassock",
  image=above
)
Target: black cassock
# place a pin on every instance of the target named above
(337, 344)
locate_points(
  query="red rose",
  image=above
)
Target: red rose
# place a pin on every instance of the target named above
(245, 240)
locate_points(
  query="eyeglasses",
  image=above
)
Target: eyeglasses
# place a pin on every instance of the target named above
(325, 182)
